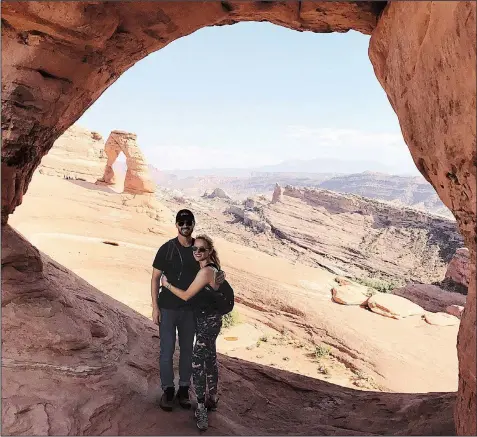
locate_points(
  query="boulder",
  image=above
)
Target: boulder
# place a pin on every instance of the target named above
(441, 319)
(455, 310)
(349, 295)
(396, 307)
(430, 297)
(458, 269)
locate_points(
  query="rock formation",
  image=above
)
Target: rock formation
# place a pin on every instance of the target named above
(395, 307)
(428, 73)
(277, 193)
(77, 154)
(400, 190)
(217, 193)
(423, 54)
(137, 180)
(349, 294)
(459, 267)
(364, 237)
(441, 319)
(430, 297)
(455, 310)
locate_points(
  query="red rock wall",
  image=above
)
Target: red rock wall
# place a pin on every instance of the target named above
(56, 61)
(429, 74)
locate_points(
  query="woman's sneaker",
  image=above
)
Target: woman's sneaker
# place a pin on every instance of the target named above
(201, 417)
(211, 403)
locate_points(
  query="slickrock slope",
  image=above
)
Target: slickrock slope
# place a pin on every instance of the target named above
(88, 365)
(77, 154)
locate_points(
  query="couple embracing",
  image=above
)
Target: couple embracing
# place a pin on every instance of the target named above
(189, 295)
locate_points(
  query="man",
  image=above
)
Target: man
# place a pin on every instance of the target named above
(175, 259)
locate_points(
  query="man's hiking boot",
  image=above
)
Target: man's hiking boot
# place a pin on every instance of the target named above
(201, 417)
(167, 399)
(211, 403)
(183, 397)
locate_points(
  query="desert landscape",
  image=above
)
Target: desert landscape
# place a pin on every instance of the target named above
(296, 314)
(349, 308)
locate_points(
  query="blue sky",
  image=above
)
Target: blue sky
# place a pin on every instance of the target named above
(254, 94)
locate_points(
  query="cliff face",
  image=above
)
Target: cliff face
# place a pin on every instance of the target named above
(365, 237)
(77, 154)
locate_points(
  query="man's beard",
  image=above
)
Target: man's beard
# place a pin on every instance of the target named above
(185, 232)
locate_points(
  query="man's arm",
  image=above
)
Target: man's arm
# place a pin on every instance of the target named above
(203, 278)
(155, 284)
(158, 266)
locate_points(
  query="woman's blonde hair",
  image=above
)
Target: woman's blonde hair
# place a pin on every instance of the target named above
(213, 252)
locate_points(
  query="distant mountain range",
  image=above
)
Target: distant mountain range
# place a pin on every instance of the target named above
(310, 166)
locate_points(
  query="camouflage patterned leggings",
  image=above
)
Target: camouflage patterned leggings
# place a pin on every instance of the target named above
(204, 359)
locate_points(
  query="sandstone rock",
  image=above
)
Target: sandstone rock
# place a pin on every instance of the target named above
(137, 180)
(349, 295)
(249, 203)
(459, 269)
(77, 154)
(347, 232)
(277, 194)
(430, 297)
(217, 193)
(392, 306)
(342, 281)
(429, 75)
(236, 211)
(254, 221)
(423, 54)
(455, 310)
(441, 319)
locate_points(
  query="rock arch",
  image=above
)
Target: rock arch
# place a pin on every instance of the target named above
(137, 180)
(57, 61)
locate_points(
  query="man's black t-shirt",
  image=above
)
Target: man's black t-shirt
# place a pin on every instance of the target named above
(179, 265)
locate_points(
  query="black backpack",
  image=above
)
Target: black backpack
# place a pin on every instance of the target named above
(224, 297)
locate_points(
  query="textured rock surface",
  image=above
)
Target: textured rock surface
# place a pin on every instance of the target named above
(441, 319)
(57, 61)
(429, 75)
(400, 190)
(216, 193)
(88, 365)
(277, 194)
(430, 297)
(137, 180)
(364, 237)
(77, 154)
(455, 310)
(459, 268)
(392, 306)
(349, 295)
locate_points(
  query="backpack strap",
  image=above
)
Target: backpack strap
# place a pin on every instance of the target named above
(170, 250)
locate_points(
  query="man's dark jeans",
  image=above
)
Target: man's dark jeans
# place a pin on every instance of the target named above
(184, 322)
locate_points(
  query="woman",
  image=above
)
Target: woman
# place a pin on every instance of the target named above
(208, 325)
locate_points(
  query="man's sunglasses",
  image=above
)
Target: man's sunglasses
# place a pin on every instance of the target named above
(185, 223)
(199, 249)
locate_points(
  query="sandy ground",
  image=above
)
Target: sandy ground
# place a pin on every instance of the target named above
(285, 309)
